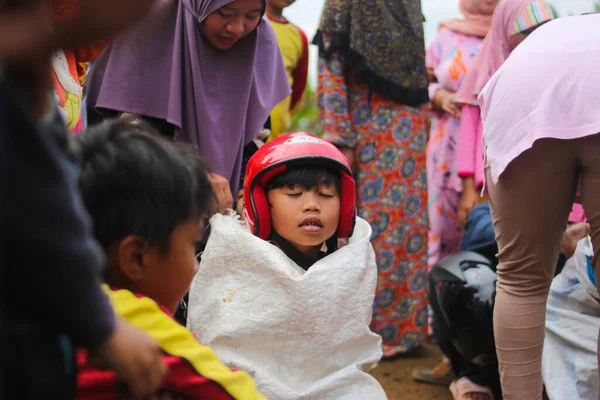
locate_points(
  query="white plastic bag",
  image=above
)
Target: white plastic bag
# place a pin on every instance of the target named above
(300, 334)
(569, 361)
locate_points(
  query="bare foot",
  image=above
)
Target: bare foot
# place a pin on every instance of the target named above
(572, 236)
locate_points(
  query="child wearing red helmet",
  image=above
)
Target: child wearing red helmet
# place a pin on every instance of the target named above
(277, 298)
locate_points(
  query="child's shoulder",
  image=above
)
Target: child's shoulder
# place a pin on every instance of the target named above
(284, 23)
(141, 311)
(194, 369)
(297, 29)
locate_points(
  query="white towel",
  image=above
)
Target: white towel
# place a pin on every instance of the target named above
(569, 361)
(300, 334)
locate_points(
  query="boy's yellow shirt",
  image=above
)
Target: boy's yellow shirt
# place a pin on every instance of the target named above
(292, 47)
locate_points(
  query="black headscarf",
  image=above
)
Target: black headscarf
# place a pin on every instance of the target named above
(382, 42)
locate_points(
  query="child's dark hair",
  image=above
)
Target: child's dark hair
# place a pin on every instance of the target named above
(308, 176)
(134, 182)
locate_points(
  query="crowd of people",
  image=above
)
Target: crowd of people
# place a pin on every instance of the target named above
(165, 235)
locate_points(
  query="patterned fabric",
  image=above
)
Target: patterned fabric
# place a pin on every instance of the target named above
(450, 55)
(534, 14)
(390, 140)
(68, 92)
(383, 41)
(68, 75)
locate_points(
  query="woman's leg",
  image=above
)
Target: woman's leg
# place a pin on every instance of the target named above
(530, 205)
(589, 155)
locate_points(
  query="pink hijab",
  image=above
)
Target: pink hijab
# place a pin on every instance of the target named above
(473, 24)
(510, 17)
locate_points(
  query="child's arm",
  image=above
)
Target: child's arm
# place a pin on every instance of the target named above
(300, 74)
(432, 60)
(466, 155)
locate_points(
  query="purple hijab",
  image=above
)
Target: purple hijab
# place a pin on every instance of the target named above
(218, 99)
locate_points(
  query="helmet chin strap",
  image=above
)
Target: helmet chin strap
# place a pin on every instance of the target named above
(296, 255)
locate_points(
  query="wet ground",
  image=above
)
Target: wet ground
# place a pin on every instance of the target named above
(395, 376)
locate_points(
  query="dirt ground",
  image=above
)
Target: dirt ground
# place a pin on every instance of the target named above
(395, 376)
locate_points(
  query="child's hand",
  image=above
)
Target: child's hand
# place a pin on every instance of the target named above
(134, 356)
(443, 100)
(222, 191)
(239, 204)
(449, 105)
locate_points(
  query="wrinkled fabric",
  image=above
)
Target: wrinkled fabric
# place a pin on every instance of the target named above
(218, 99)
(300, 334)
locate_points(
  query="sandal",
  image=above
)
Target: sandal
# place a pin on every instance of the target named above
(464, 389)
(441, 374)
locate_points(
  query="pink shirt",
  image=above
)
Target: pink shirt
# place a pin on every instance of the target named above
(549, 87)
(469, 161)
(450, 54)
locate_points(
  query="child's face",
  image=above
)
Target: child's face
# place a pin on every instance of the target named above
(166, 277)
(305, 218)
(232, 22)
(486, 7)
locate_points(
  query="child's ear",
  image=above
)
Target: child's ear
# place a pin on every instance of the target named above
(131, 257)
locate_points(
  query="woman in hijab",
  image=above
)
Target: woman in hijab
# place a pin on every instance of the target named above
(449, 57)
(372, 92)
(540, 133)
(206, 72)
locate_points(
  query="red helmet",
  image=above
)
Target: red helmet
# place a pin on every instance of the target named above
(274, 158)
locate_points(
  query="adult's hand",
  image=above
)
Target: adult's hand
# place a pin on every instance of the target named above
(30, 29)
(222, 191)
(134, 356)
(572, 236)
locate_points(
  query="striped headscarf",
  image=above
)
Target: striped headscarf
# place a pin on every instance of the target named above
(510, 18)
(532, 15)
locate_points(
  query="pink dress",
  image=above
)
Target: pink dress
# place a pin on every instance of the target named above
(450, 55)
